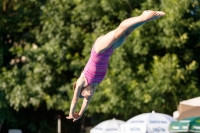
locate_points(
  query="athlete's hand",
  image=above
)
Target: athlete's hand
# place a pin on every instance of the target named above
(70, 117)
(74, 116)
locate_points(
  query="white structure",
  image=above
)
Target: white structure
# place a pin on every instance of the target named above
(188, 108)
(148, 123)
(14, 131)
(108, 126)
(59, 124)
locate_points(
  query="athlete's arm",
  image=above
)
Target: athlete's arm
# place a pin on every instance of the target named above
(74, 101)
(83, 108)
(85, 103)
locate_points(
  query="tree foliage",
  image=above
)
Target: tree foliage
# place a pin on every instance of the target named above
(45, 45)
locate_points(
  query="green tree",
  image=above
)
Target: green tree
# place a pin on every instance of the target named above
(18, 19)
(45, 45)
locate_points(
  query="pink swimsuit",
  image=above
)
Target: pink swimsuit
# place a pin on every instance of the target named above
(96, 67)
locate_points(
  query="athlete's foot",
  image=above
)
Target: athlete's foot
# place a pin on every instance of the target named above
(149, 15)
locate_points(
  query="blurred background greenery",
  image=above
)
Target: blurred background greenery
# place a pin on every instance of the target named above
(45, 44)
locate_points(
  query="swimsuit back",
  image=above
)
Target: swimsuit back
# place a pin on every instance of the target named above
(97, 65)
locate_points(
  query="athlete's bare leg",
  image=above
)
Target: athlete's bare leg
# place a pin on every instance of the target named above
(116, 37)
